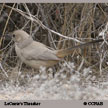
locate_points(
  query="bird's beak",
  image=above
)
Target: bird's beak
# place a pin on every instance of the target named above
(7, 37)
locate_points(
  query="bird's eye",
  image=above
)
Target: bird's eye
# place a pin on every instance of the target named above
(13, 35)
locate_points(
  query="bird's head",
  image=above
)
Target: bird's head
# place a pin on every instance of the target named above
(20, 36)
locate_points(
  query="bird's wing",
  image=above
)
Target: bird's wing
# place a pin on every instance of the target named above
(39, 53)
(47, 55)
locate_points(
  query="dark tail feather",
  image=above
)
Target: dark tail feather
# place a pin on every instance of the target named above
(64, 52)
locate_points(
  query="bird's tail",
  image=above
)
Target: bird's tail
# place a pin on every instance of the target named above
(65, 52)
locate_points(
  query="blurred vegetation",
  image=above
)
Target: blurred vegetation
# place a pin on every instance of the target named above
(80, 21)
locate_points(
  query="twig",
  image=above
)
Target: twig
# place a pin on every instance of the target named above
(3, 70)
(33, 18)
(7, 23)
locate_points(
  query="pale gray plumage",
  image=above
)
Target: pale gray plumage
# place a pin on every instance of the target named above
(31, 52)
(36, 54)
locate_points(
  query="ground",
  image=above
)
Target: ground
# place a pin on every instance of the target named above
(44, 86)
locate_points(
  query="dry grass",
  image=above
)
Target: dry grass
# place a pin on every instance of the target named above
(58, 26)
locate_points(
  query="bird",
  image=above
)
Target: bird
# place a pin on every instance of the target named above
(36, 54)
